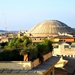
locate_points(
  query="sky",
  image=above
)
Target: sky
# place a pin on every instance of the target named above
(25, 14)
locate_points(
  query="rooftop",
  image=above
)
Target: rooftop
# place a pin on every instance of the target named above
(70, 65)
(41, 69)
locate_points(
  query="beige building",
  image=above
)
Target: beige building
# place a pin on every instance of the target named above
(6, 36)
(65, 49)
(5, 39)
(21, 33)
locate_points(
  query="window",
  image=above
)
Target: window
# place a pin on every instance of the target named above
(72, 46)
(56, 46)
(66, 46)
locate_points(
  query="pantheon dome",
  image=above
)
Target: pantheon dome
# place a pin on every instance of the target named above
(50, 28)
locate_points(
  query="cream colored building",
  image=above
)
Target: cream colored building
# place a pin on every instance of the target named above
(64, 49)
(21, 33)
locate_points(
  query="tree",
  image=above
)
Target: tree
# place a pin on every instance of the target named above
(32, 50)
(45, 46)
(42, 48)
(8, 55)
(14, 44)
(17, 47)
(49, 45)
(26, 40)
(17, 43)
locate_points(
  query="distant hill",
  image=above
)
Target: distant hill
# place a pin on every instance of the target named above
(8, 31)
(73, 28)
(2, 30)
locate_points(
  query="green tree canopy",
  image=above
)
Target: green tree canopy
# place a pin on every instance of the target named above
(45, 46)
(8, 55)
(26, 40)
(32, 50)
(19, 46)
(49, 45)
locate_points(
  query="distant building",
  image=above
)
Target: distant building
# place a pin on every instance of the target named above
(64, 49)
(5, 39)
(21, 33)
(6, 36)
(65, 38)
(51, 29)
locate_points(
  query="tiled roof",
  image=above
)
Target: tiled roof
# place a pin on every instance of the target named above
(70, 65)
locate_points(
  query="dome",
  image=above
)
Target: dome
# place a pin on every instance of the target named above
(50, 28)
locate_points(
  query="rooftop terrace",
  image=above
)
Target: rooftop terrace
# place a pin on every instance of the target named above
(42, 69)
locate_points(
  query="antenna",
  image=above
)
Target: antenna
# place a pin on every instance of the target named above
(5, 21)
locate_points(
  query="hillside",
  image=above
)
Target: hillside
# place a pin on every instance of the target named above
(2, 30)
(73, 28)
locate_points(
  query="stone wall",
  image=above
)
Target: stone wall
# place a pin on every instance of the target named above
(15, 65)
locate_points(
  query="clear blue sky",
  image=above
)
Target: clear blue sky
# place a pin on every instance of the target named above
(24, 14)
